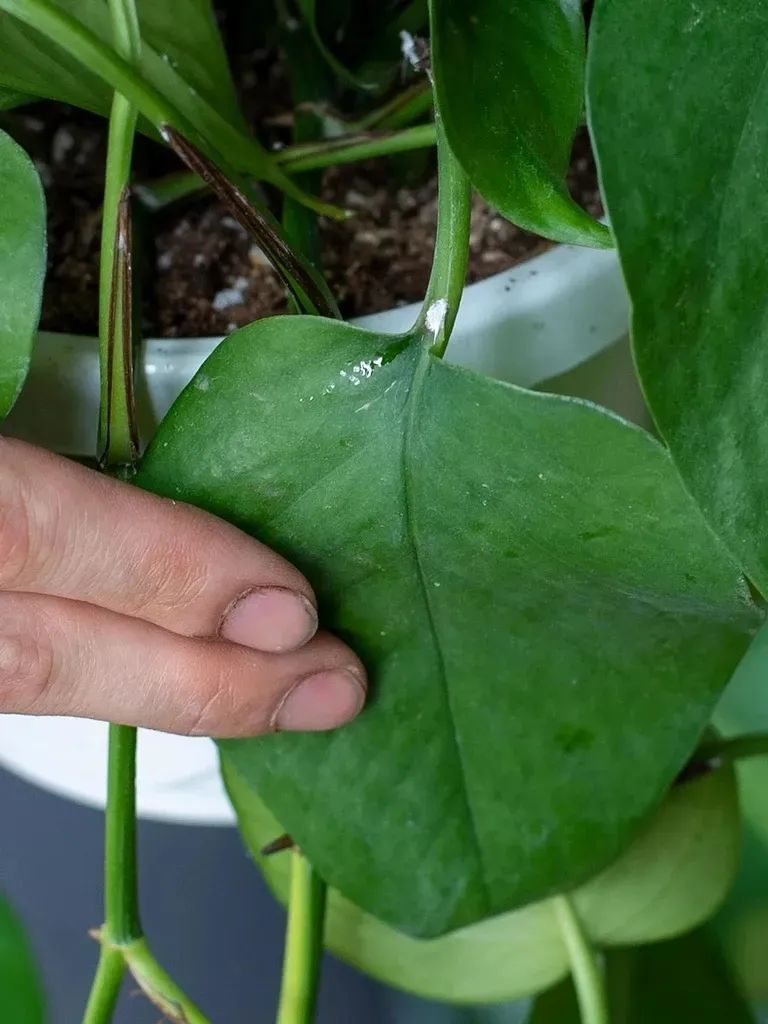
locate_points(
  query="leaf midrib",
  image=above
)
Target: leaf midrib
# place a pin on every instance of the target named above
(410, 411)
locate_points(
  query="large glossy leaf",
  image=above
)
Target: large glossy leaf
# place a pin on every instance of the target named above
(672, 876)
(544, 615)
(22, 266)
(21, 994)
(678, 982)
(691, 221)
(509, 81)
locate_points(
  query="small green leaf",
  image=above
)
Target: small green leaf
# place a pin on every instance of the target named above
(36, 62)
(670, 878)
(545, 617)
(186, 36)
(509, 81)
(691, 222)
(183, 36)
(678, 982)
(22, 266)
(21, 993)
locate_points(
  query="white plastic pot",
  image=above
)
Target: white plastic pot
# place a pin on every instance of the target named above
(529, 324)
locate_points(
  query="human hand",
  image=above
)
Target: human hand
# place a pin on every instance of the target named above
(119, 605)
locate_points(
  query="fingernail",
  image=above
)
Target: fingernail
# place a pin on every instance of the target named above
(271, 619)
(322, 701)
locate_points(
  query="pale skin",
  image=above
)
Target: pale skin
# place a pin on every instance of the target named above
(122, 606)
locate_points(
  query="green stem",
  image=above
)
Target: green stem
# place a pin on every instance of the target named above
(303, 944)
(347, 149)
(158, 986)
(449, 264)
(116, 419)
(118, 446)
(309, 78)
(121, 899)
(106, 987)
(117, 422)
(734, 748)
(401, 110)
(585, 970)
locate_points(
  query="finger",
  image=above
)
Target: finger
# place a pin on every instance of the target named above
(69, 532)
(60, 657)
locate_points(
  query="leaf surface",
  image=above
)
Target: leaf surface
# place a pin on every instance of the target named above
(691, 221)
(22, 266)
(509, 82)
(545, 617)
(21, 993)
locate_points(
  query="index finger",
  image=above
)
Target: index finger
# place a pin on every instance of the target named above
(67, 531)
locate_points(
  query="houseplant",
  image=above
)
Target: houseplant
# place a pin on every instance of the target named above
(533, 589)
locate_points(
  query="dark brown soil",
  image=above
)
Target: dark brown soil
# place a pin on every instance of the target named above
(203, 275)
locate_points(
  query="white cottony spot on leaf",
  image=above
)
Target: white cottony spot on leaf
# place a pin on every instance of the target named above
(436, 315)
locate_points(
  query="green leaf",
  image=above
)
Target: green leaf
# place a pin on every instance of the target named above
(690, 223)
(545, 617)
(185, 35)
(509, 83)
(671, 877)
(676, 982)
(22, 266)
(35, 63)
(21, 993)
(9, 99)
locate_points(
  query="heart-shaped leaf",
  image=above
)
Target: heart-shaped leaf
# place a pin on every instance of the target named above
(691, 222)
(22, 266)
(21, 993)
(509, 83)
(545, 617)
(672, 876)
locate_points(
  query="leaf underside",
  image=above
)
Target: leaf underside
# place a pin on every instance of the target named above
(544, 616)
(673, 875)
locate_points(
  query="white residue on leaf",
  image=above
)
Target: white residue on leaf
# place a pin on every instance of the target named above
(202, 383)
(435, 318)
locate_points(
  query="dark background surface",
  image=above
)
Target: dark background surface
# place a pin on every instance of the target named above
(211, 919)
